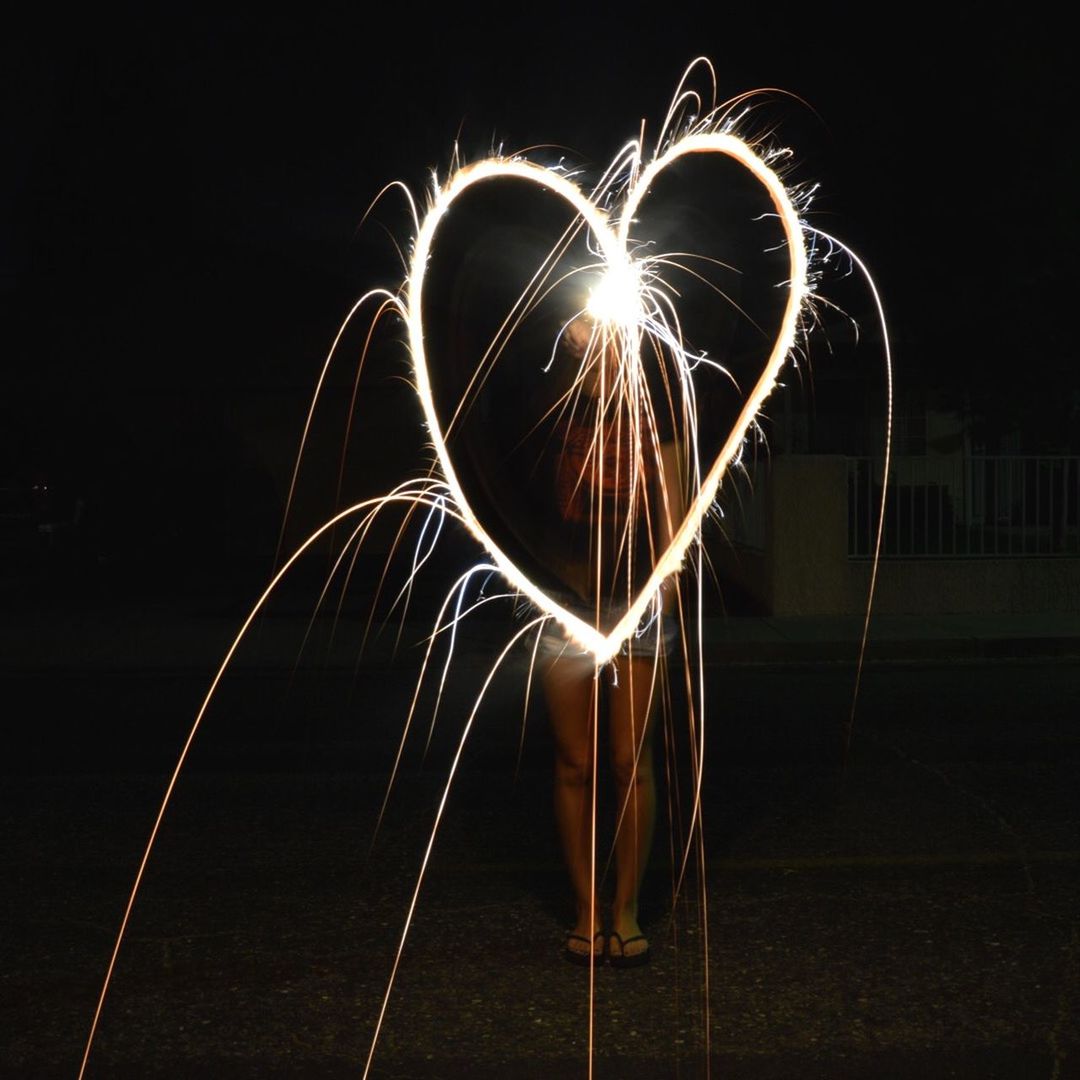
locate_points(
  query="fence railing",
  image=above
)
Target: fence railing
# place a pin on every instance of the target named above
(966, 507)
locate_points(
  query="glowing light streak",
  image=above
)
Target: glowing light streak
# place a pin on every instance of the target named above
(626, 297)
(435, 828)
(372, 506)
(880, 532)
(629, 305)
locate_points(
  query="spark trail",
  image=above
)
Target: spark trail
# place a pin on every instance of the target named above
(623, 327)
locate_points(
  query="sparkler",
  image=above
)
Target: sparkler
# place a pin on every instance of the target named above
(627, 317)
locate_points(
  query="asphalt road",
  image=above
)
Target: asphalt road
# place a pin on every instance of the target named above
(915, 915)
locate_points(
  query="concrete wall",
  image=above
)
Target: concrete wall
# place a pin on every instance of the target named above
(803, 568)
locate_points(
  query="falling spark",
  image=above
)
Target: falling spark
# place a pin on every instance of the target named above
(630, 310)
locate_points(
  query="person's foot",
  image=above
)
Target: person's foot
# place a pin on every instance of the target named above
(585, 942)
(627, 945)
(577, 948)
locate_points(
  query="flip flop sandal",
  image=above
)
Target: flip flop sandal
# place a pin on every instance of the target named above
(623, 959)
(590, 954)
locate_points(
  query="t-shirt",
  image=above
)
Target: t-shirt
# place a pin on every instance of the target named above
(600, 470)
(606, 492)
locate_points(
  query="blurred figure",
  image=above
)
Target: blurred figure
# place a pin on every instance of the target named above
(617, 489)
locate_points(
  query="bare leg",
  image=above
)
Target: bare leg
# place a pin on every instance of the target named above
(571, 691)
(635, 785)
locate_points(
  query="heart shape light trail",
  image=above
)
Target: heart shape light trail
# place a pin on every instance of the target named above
(630, 306)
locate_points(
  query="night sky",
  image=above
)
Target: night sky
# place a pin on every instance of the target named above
(181, 234)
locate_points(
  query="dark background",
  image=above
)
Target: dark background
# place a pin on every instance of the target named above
(181, 237)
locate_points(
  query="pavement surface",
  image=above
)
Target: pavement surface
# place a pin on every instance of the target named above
(913, 915)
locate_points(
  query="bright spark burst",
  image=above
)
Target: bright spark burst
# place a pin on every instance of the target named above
(616, 299)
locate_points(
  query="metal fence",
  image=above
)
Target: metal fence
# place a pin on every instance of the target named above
(966, 507)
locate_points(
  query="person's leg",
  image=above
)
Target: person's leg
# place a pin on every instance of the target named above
(571, 691)
(631, 710)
